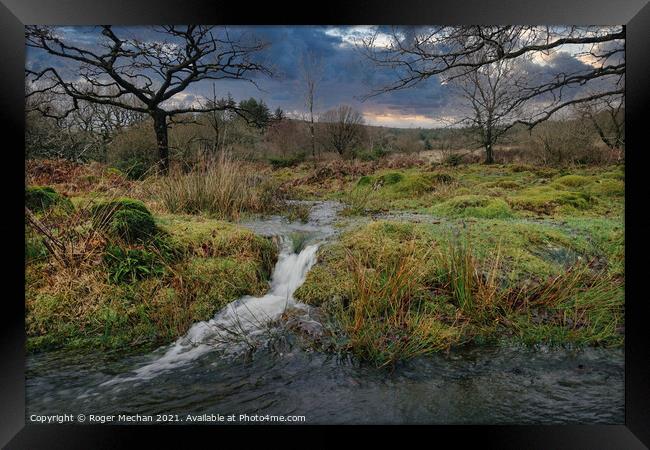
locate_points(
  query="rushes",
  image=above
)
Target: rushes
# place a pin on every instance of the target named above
(224, 188)
(587, 307)
(411, 293)
(387, 290)
(475, 286)
(382, 321)
(461, 273)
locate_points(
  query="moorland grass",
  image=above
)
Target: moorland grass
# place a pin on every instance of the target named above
(138, 293)
(503, 191)
(402, 289)
(511, 253)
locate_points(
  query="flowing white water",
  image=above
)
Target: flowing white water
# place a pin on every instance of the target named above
(236, 326)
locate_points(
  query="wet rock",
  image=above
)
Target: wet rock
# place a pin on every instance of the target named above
(304, 323)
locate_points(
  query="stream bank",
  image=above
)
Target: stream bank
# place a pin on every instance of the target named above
(213, 369)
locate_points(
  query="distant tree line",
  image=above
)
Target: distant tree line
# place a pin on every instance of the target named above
(122, 107)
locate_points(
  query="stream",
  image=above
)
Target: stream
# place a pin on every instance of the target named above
(233, 364)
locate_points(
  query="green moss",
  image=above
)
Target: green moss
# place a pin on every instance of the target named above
(132, 225)
(206, 237)
(414, 185)
(327, 281)
(364, 181)
(480, 206)
(140, 298)
(105, 210)
(614, 174)
(605, 238)
(41, 198)
(217, 281)
(572, 181)
(504, 184)
(607, 187)
(391, 178)
(545, 199)
(126, 219)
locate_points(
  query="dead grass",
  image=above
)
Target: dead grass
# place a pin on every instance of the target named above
(381, 321)
(224, 188)
(72, 178)
(401, 290)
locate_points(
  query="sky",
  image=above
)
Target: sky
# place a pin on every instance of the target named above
(346, 76)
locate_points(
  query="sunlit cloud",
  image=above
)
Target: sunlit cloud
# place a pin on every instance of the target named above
(353, 35)
(389, 119)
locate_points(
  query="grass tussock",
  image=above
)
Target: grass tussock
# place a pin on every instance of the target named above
(381, 321)
(103, 272)
(400, 290)
(479, 206)
(223, 187)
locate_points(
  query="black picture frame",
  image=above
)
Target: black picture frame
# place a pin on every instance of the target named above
(635, 14)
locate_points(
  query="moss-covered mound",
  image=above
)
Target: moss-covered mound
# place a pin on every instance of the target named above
(125, 218)
(106, 209)
(132, 225)
(137, 296)
(391, 178)
(546, 199)
(41, 198)
(572, 181)
(479, 206)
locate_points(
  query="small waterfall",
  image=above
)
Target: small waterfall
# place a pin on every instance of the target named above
(237, 325)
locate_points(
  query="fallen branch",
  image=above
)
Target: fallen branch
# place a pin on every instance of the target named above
(53, 245)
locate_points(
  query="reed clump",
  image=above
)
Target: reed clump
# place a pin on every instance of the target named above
(222, 187)
(400, 290)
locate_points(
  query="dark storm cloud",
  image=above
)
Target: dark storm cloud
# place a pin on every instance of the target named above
(346, 74)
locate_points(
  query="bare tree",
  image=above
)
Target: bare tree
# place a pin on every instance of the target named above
(312, 73)
(142, 75)
(415, 54)
(278, 115)
(219, 112)
(100, 123)
(608, 118)
(560, 142)
(494, 103)
(343, 127)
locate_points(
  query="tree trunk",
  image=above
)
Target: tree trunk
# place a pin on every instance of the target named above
(311, 131)
(105, 142)
(160, 125)
(488, 140)
(489, 157)
(215, 128)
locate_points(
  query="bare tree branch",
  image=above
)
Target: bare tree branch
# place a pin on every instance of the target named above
(141, 75)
